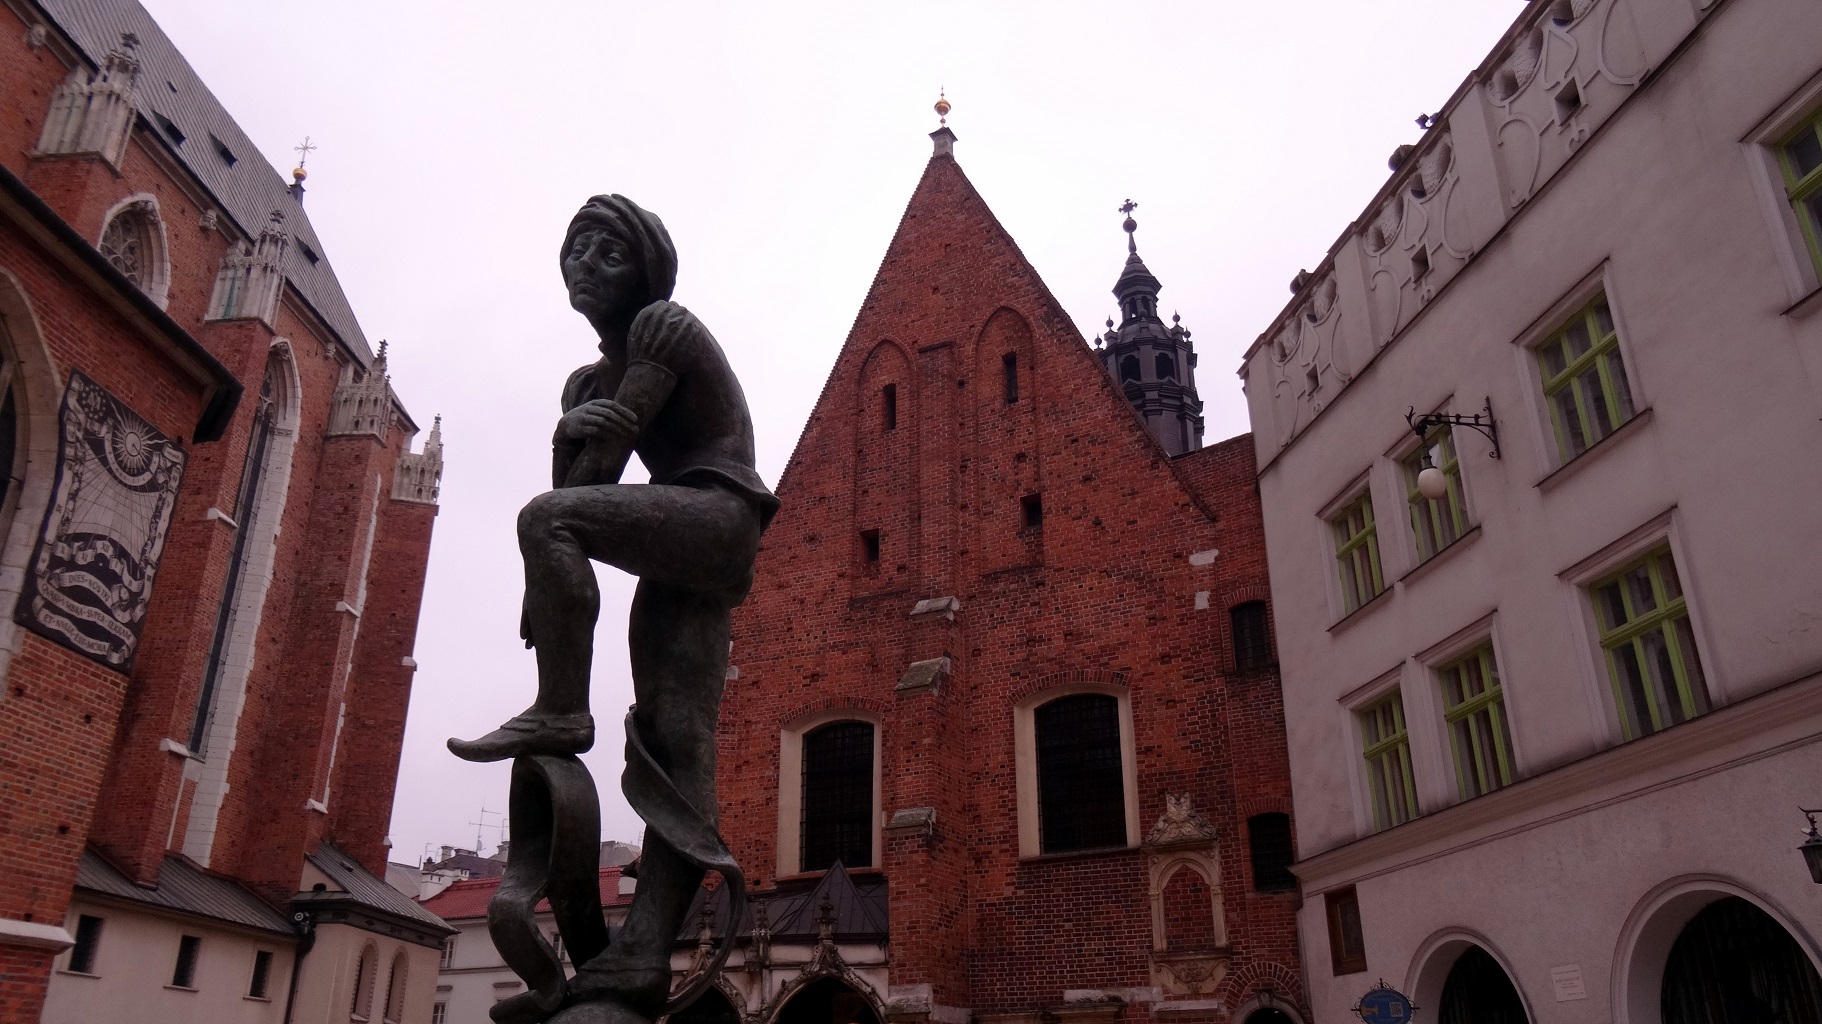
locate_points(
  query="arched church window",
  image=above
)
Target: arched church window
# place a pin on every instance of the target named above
(1478, 992)
(838, 796)
(1129, 368)
(246, 510)
(1734, 962)
(1167, 367)
(395, 989)
(1081, 792)
(127, 244)
(360, 1005)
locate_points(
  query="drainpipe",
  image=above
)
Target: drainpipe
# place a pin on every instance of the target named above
(306, 938)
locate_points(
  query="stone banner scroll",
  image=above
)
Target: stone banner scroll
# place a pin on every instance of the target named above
(555, 824)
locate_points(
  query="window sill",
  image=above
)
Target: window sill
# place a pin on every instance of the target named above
(1805, 306)
(178, 988)
(1052, 858)
(78, 974)
(1457, 544)
(1379, 601)
(257, 999)
(1635, 425)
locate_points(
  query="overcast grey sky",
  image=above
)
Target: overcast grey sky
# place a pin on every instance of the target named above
(780, 143)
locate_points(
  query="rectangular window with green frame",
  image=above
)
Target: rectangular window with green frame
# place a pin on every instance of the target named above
(1387, 747)
(1585, 380)
(1649, 645)
(1357, 553)
(1441, 522)
(1800, 157)
(1474, 707)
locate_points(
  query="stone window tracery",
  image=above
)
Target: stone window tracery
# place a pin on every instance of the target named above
(132, 241)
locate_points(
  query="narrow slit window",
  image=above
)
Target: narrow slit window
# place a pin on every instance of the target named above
(888, 403)
(88, 941)
(184, 975)
(1031, 511)
(262, 975)
(1009, 365)
(869, 545)
(1252, 636)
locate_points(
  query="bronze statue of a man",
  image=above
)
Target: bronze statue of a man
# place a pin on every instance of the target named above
(664, 389)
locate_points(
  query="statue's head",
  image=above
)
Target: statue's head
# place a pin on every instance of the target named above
(617, 259)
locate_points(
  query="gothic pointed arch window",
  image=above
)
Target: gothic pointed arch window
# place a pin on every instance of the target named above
(133, 242)
(254, 518)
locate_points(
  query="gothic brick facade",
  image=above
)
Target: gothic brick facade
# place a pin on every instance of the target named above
(973, 487)
(255, 720)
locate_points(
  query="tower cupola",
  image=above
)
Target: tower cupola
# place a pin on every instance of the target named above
(1153, 365)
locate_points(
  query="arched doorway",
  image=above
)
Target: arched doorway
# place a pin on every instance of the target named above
(1733, 964)
(827, 1001)
(1478, 992)
(711, 1007)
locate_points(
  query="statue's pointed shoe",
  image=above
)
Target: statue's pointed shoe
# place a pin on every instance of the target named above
(529, 734)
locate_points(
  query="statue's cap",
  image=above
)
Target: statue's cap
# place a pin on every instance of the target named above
(639, 228)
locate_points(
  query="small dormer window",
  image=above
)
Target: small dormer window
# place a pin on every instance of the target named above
(309, 253)
(222, 150)
(170, 128)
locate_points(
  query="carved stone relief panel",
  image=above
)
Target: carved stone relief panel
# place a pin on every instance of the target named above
(90, 578)
(1189, 950)
(1561, 80)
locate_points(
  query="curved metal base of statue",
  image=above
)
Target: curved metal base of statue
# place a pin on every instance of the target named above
(554, 853)
(662, 389)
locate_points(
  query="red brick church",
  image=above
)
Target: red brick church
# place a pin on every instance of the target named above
(1003, 737)
(213, 535)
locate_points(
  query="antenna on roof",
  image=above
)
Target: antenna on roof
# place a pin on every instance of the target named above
(479, 825)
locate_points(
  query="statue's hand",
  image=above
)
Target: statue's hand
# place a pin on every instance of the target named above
(602, 418)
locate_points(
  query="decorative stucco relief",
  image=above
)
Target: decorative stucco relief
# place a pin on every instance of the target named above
(1187, 961)
(1418, 240)
(1308, 367)
(1558, 83)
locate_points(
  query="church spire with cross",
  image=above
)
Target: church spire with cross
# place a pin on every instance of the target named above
(1153, 365)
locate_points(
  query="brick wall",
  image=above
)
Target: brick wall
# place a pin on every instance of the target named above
(1103, 590)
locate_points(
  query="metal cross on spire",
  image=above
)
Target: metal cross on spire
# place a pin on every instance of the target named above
(298, 174)
(1131, 225)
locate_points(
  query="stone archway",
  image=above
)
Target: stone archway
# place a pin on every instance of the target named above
(711, 1007)
(827, 1001)
(1734, 964)
(1478, 991)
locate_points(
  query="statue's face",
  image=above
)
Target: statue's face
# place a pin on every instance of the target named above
(604, 282)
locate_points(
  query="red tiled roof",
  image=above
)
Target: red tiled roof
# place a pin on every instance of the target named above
(468, 898)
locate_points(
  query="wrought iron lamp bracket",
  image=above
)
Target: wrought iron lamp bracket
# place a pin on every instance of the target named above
(1481, 421)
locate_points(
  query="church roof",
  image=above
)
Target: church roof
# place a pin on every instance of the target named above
(183, 888)
(856, 907)
(357, 885)
(469, 897)
(249, 189)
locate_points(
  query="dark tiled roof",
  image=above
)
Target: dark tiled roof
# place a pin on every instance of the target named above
(186, 889)
(476, 865)
(359, 885)
(856, 904)
(249, 189)
(468, 898)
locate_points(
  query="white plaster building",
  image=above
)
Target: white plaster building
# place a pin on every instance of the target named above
(1549, 734)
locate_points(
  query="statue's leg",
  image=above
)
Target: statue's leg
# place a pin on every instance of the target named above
(679, 643)
(701, 540)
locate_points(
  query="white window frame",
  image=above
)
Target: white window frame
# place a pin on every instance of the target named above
(1597, 282)
(1025, 754)
(1361, 484)
(1661, 531)
(1801, 277)
(1482, 632)
(790, 785)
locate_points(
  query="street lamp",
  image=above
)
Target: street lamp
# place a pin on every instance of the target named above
(1432, 482)
(1812, 845)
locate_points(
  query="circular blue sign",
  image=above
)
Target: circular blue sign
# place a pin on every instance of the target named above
(1383, 1005)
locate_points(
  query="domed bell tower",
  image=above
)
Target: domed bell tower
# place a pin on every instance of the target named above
(1153, 365)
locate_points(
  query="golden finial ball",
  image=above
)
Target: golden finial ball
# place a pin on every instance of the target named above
(942, 107)
(299, 174)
